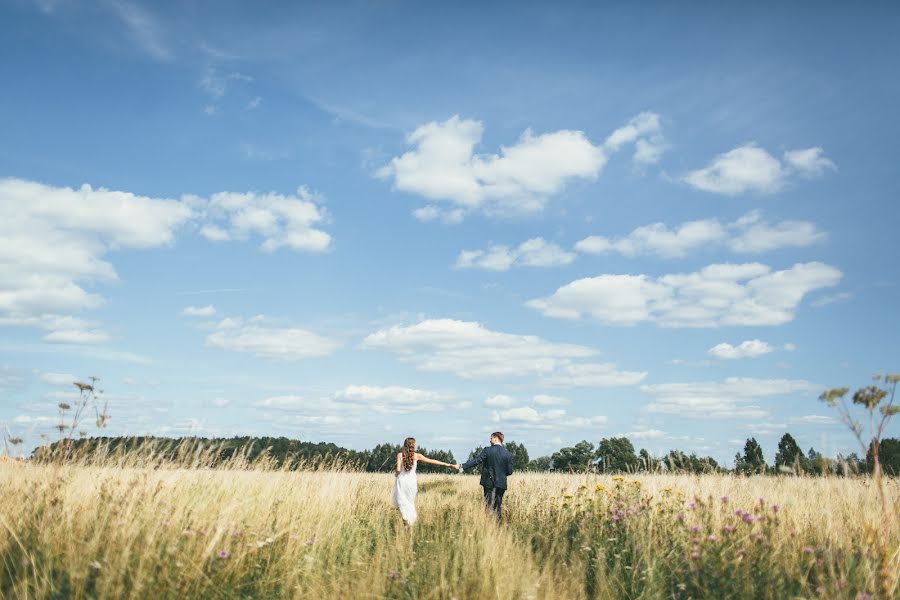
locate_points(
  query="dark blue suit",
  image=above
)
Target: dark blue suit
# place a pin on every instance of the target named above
(496, 465)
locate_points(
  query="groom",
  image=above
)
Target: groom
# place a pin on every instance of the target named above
(496, 466)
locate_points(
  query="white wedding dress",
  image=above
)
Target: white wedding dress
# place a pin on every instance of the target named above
(405, 489)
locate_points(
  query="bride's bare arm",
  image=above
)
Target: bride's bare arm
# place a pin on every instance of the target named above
(431, 461)
(399, 466)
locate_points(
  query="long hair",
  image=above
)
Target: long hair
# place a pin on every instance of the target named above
(409, 453)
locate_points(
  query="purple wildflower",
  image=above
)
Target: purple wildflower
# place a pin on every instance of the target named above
(724, 499)
(775, 508)
(748, 518)
(728, 529)
(223, 554)
(712, 538)
(695, 528)
(393, 574)
(864, 596)
(807, 550)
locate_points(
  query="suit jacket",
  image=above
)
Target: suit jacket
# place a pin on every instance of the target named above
(496, 465)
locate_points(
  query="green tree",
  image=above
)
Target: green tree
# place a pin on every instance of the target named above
(577, 458)
(752, 460)
(890, 456)
(519, 455)
(647, 462)
(382, 458)
(789, 458)
(540, 464)
(616, 455)
(818, 463)
(441, 455)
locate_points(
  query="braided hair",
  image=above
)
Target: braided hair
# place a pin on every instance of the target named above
(409, 453)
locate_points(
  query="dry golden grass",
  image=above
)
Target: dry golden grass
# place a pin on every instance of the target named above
(112, 532)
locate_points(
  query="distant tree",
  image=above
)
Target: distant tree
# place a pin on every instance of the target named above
(789, 458)
(542, 463)
(577, 458)
(890, 456)
(519, 454)
(855, 464)
(752, 460)
(382, 458)
(647, 462)
(677, 461)
(616, 455)
(441, 455)
(818, 463)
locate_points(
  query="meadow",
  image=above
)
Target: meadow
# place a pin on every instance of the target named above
(151, 531)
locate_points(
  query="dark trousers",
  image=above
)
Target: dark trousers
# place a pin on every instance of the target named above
(493, 499)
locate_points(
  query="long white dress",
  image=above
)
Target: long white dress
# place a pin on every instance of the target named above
(404, 497)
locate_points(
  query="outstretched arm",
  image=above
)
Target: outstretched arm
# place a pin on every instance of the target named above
(431, 461)
(399, 466)
(475, 461)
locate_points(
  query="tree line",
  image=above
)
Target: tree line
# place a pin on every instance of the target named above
(610, 455)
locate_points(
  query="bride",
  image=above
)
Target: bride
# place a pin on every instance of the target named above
(405, 486)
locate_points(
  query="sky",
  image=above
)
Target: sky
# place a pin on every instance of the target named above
(360, 221)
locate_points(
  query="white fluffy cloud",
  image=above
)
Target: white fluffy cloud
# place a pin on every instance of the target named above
(53, 240)
(528, 417)
(392, 399)
(470, 350)
(199, 311)
(500, 401)
(717, 295)
(532, 253)
(62, 379)
(349, 406)
(729, 398)
(594, 375)
(443, 166)
(749, 168)
(256, 337)
(749, 234)
(282, 221)
(746, 349)
(545, 400)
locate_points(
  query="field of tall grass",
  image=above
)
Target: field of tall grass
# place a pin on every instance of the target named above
(157, 532)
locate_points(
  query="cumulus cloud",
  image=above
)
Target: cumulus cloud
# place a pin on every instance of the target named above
(444, 168)
(392, 399)
(500, 401)
(282, 221)
(472, 351)
(717, 295)
(645, 132)
(746, 349)
(749, 168)
(594, 375)
(749, 234)
(730, 398)
(53, 240)
(62, 379)
(254, 336)
(809, 162)
(532, 253)
(644, 434)
(199, 311)
(523, 417)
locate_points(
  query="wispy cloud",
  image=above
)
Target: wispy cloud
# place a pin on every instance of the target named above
(144, 29)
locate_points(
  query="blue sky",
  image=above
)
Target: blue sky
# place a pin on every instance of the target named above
(355, 222)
